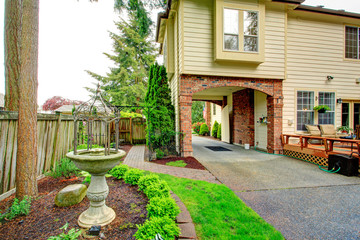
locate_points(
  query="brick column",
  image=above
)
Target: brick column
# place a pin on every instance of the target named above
(208, 114)
(185, 125)
(274, 114)
(243, 109)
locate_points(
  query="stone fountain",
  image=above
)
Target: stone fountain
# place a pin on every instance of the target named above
(96, 161)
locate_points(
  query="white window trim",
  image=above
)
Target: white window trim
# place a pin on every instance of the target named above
(358, 43)
(316, 103)
(241, 35)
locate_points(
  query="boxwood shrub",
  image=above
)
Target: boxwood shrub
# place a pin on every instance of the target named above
(160, 189)
(162, 207)
(119, 171)
(147, 180)
(133, 175)
(164, 226)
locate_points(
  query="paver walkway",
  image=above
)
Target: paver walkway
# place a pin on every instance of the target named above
(135, 158)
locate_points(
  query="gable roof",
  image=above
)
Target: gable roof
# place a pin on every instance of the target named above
(320, 9)
(290, 1)
(65, 108)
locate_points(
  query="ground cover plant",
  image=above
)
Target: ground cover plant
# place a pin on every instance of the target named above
(17, 209)
(179, 163)
(218, 213)
(64, 168)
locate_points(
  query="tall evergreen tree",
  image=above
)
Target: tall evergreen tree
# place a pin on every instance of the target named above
(126, 83)
(138, 8)
(161, 113)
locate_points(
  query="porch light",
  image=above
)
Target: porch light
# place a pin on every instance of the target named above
(339, 101)
(329, 78)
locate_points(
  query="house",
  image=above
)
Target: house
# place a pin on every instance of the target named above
(266, 63)
(66, 109)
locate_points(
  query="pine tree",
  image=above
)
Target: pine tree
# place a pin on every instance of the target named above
(138, 9)
(126, 83)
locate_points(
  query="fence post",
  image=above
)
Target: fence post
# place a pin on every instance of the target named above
(56, 154)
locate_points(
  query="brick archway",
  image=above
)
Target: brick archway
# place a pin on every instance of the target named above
(190, 84)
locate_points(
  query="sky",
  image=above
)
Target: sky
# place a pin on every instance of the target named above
(74, 34)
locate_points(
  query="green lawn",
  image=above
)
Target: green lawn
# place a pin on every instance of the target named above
(218, 213)
(179, 163)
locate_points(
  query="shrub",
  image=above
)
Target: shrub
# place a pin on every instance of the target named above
(165, 226)
(163, 207)
(133, 175)
(215, 129)
(147, 180)
(159, 189)
(17, 209)
(219, 132)
(119, 171)
(64, 168)
(159, 153)
(204, 130)
(71, 235)
(196, 127)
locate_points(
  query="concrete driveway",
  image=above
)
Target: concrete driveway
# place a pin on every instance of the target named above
(296, 197)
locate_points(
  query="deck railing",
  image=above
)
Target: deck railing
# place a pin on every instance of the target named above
(328, 143)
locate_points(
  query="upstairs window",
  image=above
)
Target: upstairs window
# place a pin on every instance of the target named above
(352, 42)
(231, 29)
(251, 24)
(245, 40)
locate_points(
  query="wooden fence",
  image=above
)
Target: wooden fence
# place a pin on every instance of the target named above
(55, 136)
(55, 139)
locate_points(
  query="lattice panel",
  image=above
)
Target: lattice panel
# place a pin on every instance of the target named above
(307, 157)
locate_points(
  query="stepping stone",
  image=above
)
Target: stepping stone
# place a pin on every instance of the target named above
(184, 215)
(70, 195)
(187, 231)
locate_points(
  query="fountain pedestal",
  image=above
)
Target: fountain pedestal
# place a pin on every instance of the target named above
(97, 164)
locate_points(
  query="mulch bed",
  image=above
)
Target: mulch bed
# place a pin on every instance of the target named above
(46, 218)
(190, 161)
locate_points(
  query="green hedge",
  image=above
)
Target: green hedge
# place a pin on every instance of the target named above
(162, 209)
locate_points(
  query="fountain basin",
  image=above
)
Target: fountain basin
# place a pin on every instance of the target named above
(97, 164)
(95, 161)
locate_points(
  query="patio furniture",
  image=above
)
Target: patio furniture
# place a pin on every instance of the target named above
(313, 130)
(357, 132)
(329, 131)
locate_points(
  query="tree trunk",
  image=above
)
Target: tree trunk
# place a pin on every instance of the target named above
(12, 53)
(26, 162)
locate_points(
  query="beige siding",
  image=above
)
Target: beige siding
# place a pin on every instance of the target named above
(216, 116)
(315, 51)
(199, 44)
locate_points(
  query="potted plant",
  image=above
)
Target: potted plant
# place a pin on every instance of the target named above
(344, 129)
(322, 108)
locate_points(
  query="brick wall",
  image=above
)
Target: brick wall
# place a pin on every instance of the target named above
(243, 117)
(243, 114)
